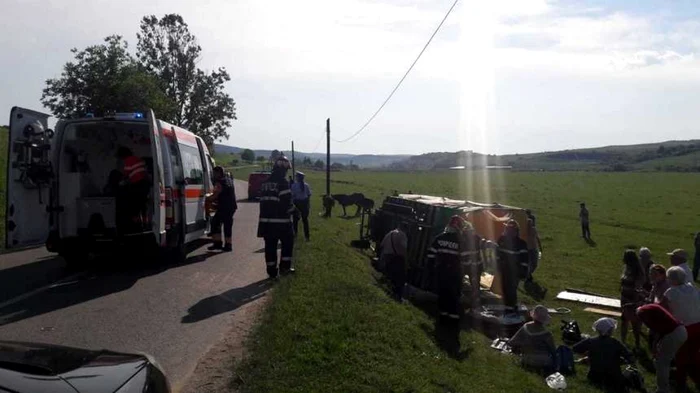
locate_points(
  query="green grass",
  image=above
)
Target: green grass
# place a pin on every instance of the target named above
(332, 328)
(3, 183)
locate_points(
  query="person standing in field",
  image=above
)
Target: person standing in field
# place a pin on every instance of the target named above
(671, 335)
(682, 300)
(393, 259)
(275, 222)
(513, 263)
(585, 223)
(679, 257)
(659, 285)
(647, 263)
(631, 283)
(301, 195)
(446, 254)
(696, 259)
(473, 262)
(534, 246)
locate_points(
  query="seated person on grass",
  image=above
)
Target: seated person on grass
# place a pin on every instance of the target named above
(605, 354)
(535, 342)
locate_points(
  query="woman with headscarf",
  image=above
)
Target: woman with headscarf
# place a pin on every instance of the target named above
(631, 297)
(535, 342)
(605, 354)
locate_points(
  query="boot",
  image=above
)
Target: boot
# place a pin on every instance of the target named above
(215, 246)
(227, 247)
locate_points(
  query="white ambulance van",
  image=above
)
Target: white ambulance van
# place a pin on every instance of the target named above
(58, 190)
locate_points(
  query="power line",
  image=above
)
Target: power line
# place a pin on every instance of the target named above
(319, 142)
(402, 78)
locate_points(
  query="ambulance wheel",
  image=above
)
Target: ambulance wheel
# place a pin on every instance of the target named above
(75, 260)
(178, 253)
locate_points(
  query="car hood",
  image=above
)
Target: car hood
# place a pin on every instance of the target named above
(38, 368)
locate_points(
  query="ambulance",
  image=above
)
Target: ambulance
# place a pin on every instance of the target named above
(58, 184)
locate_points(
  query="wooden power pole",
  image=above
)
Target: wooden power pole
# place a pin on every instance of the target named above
(328, 157)
(293, 166)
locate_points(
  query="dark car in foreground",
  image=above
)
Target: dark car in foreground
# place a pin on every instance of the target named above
(34, 368)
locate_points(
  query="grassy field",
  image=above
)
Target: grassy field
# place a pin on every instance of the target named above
(332, 327)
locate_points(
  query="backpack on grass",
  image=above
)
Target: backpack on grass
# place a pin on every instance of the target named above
(565, 360)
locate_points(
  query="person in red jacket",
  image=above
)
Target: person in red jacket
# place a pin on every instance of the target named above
(136, 185)
(671, 335)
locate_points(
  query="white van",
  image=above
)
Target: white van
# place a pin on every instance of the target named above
(57, 190)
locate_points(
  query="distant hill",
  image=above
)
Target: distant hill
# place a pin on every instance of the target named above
(361, 160)
(677, 156)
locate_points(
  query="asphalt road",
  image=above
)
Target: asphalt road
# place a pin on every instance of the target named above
(175, 313)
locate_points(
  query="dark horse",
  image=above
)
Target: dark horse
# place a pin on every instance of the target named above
(357, 199)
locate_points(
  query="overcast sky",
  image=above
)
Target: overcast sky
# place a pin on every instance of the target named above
(500, 77)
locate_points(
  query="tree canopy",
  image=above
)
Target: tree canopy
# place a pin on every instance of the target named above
(163, 75)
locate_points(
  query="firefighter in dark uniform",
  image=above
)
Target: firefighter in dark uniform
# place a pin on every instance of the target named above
(513, 263)
(275, 223)
(473, 262)
(447, 252)
(225, 197)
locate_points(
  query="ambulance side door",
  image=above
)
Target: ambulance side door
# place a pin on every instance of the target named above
(30, 179)
(193, 169)
(158, 187)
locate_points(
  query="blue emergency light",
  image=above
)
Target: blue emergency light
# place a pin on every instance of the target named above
(130, 115)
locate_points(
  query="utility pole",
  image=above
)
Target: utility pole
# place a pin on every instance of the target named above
(328, 157)
(293, 170)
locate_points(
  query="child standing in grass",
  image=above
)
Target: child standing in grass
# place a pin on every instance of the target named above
(631, 283)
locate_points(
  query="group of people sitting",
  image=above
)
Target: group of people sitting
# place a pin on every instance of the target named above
(664, 300)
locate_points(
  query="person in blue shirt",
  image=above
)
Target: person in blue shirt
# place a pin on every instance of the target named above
(301, 195)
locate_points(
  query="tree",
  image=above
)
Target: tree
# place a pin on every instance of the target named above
(104, 78)
(167, 49)
(261, 158)
(248, 155)
(234, 162)
(306, 161)
(319, 164)
(337, 166)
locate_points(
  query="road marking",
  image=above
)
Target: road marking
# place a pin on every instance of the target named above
(66, 281)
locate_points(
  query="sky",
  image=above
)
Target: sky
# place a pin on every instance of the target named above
(508, 76)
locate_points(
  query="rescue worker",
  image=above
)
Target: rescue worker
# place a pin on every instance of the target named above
(135, 185)
(473, 262)
(301, 194)
(225, 196)
(513, 263)
(275, 223)
(446, 253)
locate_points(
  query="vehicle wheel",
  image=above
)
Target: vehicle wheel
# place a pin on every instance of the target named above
(178, 254)
(75, 260)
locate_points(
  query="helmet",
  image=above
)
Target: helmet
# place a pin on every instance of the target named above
(459, 223)
(281, 161)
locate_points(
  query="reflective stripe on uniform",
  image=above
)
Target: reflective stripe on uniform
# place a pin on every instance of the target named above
(271, 263)
(469, 252)
(431, 256)
(453, 316)
(276, 220)
(284, 192)
(286, 258)
(270, 198)
(509, 252)
(446, 251)
(431, 249)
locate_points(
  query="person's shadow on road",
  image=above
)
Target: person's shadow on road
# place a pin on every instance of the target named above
(226, 301)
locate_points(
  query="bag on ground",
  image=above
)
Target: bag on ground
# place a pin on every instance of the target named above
(565, 360)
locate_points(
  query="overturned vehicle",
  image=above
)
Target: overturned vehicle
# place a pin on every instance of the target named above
(425, 217)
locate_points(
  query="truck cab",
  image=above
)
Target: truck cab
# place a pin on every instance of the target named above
(64, 189)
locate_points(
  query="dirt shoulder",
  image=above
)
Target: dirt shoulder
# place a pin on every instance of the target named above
(213, 372)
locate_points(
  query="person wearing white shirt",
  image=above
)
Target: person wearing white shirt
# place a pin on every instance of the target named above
(301, 194)
(679, 257)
